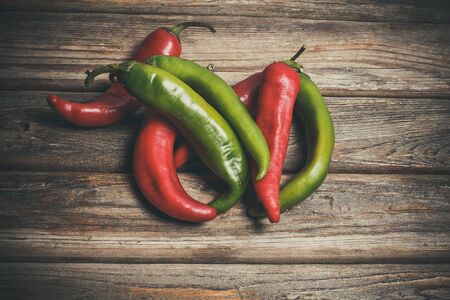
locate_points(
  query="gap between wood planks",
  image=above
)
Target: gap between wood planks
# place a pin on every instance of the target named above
(325, 92)
(134, 261)
(178, 14)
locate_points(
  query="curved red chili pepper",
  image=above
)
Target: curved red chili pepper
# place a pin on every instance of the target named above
(154, 162)
(115, 103)
(247, 90)
(279, 87)
(111, 106)
(156, 175)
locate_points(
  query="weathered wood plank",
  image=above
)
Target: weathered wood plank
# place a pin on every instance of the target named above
(168, 281)
(435, 11)
(372, 135)
(103, 218)
(50, 51)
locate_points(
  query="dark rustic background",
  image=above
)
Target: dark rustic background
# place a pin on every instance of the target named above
(73, 225)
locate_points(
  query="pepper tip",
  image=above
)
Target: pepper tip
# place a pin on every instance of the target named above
(261, 174)
(52, 100)
(274, 217)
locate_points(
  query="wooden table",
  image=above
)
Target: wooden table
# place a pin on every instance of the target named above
(73, 224)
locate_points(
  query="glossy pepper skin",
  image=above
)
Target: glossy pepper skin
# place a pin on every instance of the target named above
(154, 162)
(203, 127)
(115, 103)
(156, 175)
(220, 95)
(110, 107)
(247, 91)
(279, 87)
(313, 112)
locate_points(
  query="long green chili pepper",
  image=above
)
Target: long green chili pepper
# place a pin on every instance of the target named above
(205, 129)
(220, 95)
(314, 114)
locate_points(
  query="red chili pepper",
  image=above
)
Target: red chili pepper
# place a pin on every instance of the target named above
(279, 87)
(154, 162)
(156, 175)
(247, 90)
(115, 104)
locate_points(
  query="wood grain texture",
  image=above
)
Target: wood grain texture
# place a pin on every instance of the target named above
(385, 69)
(434, 11)
(372, 135)
(74, 217)
(51, 51)
(168, 281)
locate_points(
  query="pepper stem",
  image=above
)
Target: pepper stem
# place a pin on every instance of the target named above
(299, 52)
(291, 62)
(175, 30)
(112, 69)
(297, 67)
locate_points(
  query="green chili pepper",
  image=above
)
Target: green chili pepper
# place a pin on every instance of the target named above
(205, 129)
(319, 129)
(220, 95)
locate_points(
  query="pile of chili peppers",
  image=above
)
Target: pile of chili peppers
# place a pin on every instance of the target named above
(240, 133)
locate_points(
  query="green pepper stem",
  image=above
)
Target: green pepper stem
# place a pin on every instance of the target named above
(115, 70)
(175, 30)
(291, 62)
(299, 52)
(297, 67)
(111, 68)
